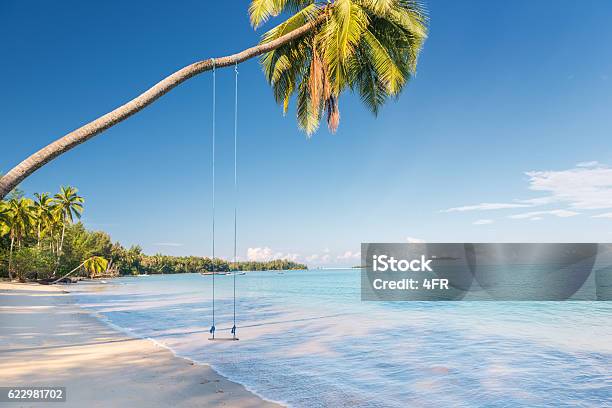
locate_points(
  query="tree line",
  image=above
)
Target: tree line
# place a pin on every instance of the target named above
(42, 238)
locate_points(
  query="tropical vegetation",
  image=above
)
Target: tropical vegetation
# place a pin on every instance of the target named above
(43, 239)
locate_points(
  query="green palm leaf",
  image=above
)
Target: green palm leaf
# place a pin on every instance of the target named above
(368, 46)
(95, 265)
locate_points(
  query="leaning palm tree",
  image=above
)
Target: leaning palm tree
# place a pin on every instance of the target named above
(69, 206)
(19, 218)
(94, 265)
(44, 215)
(323, 49)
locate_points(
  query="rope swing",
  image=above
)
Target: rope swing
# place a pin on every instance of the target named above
(214, 113)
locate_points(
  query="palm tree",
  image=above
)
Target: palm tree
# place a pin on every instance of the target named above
(4, 219)
(324, 48)
(94, 265)
(45, 217)
(69, 206)
(368, 46)
(19, 218)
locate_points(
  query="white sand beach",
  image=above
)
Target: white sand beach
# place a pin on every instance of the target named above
(47, 340)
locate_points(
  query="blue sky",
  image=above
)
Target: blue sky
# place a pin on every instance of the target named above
(512, 102)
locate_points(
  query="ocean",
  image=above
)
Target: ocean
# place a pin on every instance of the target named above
(307, 340)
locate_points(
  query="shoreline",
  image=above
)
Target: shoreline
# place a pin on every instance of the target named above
(99, 363)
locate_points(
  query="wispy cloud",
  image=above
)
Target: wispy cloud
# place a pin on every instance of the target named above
(413, 240)
(168, 244)
(604, 215)
(592, 163)
(483, 222)
(537, 214)
(587, 186)
(487, 206)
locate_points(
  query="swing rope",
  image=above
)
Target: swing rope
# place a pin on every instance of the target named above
(214, 111)
(235, 187)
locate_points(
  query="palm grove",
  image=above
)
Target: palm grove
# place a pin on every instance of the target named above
(41, 238)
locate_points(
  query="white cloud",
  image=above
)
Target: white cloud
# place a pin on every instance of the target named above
(535, 214)
(487, 206)
(483, 222)
(259, 254)
(604, 215)
(322, 258)
(348, 255)
(289, 256)
(168, 244)
(266, 254)
(534, 202)
(585, 187)
(413, 240)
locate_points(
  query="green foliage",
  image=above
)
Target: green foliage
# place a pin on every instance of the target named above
(368, 46)
(4, 219)
(46, 214)
(133, 261)
(19, 215)
(33, 263)
(129, 262)
(81, 244)
(95, 265)
(69, 204)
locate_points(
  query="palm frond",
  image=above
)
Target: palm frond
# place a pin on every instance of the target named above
(386, 69)
(308, 118)
(339, 36)
(261, 10)
(368, 46)
(379, 7)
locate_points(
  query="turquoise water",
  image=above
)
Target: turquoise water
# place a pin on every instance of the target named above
(307, 340)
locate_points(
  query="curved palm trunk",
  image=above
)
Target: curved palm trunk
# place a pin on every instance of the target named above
(69, 273)
(86, 132)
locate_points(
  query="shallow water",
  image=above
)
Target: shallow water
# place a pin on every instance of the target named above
(307, 340)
